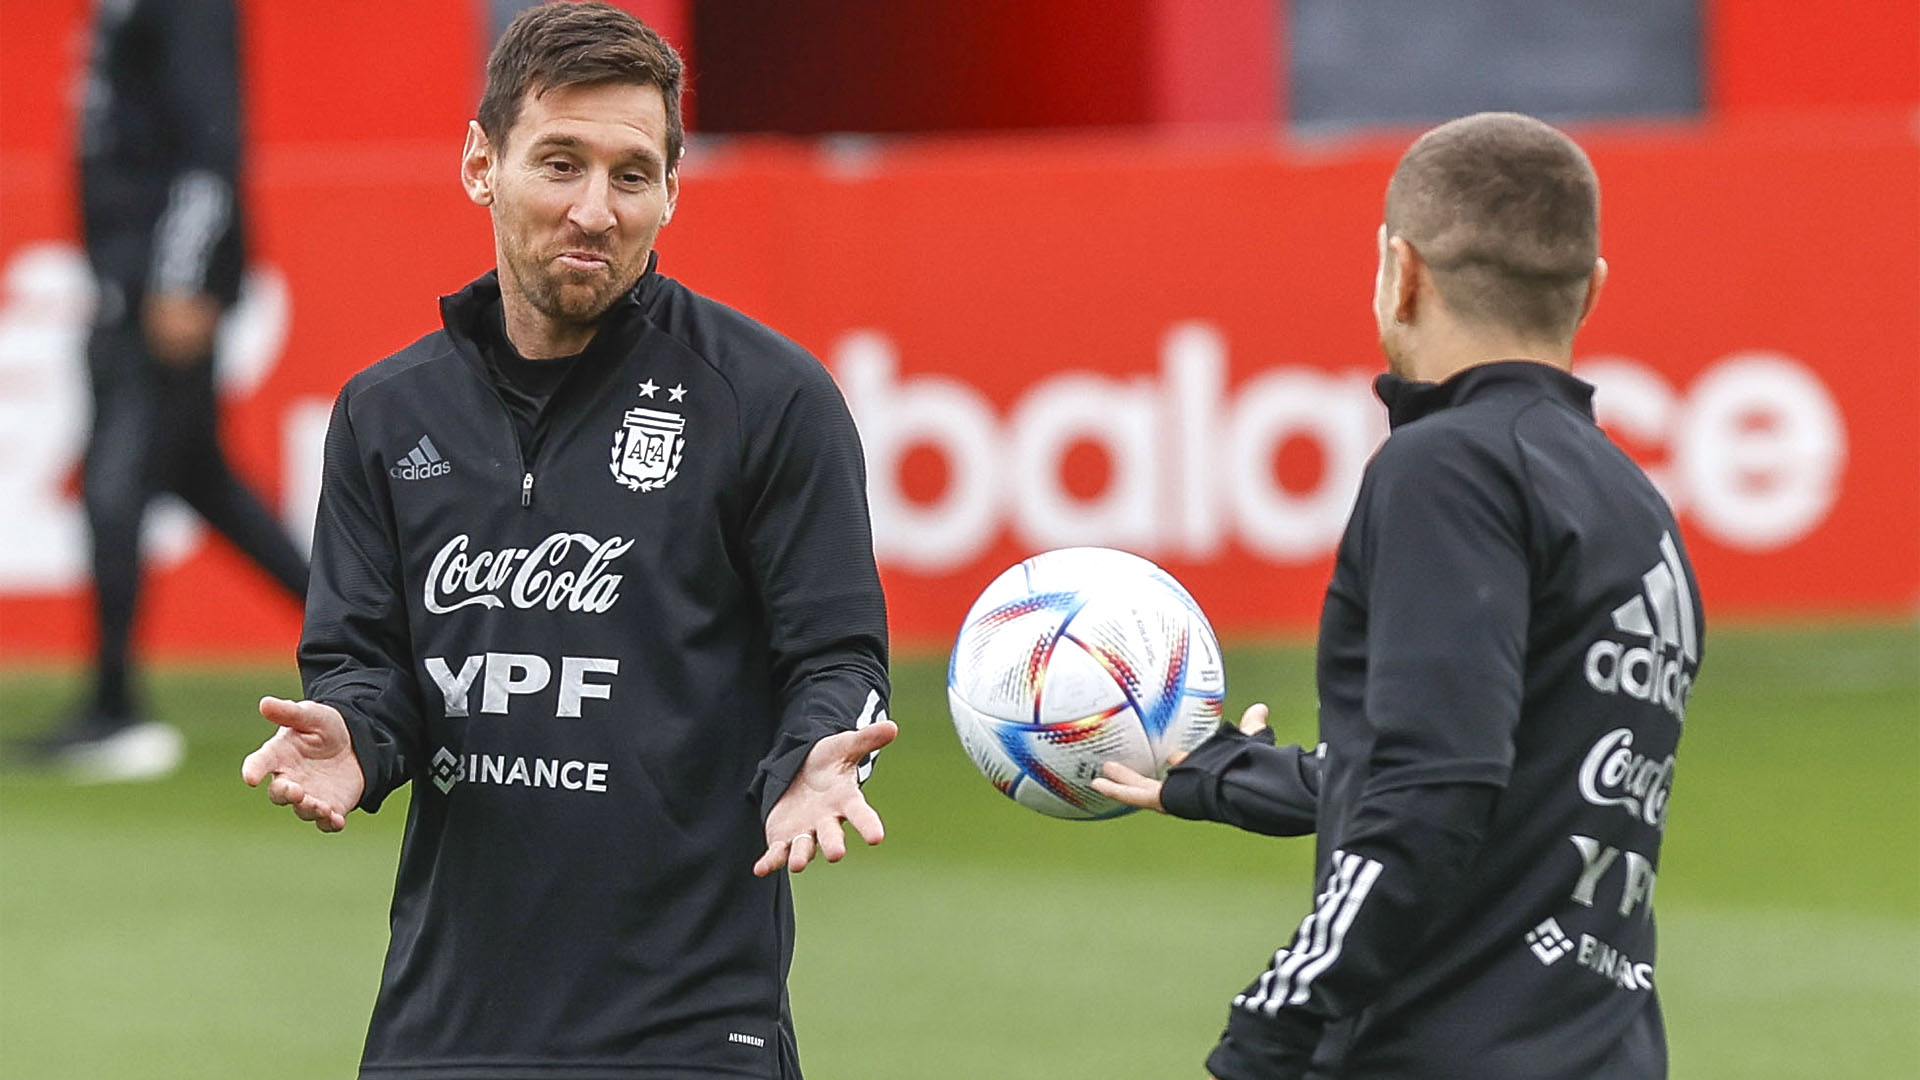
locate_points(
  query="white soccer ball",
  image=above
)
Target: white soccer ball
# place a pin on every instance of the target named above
(1075, 658)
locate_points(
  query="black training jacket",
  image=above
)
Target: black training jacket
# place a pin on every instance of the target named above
(160, 149)
(1247, 782)
(599, 657)
(1506, 652)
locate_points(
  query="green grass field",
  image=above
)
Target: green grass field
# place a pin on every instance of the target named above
(189, 930)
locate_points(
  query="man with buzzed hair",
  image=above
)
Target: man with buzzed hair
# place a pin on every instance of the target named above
(1506, 652)
(1505, 213)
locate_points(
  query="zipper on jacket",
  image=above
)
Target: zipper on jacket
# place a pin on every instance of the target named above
(525, 452)
(522, 458)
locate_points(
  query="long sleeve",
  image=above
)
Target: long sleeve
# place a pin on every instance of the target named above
(1446, 582)
(809, 544)
(355, 646)
(199, 88)
(1247, 782)
(1411, 848)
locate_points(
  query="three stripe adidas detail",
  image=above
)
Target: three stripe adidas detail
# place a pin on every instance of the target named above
(1660, 670)
(1322, 935)
(423, 462)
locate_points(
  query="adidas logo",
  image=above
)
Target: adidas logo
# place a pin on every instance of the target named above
(423, 462)
(1661, 671)
(1549, 942)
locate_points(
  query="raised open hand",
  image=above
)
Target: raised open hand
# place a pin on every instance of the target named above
(311, 761)
(807, 819)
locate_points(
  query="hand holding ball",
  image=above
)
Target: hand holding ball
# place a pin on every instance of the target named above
(1075, 658)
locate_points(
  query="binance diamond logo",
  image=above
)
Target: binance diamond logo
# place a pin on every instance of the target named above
(445, 770)
(1549, 942)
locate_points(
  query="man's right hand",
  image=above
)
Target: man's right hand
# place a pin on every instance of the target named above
(311, 761)
(1122, 784)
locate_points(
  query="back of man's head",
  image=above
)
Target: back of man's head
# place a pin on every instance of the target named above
(1505, 212)
(554, 45)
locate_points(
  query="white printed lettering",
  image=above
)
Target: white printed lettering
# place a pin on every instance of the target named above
(1637, 672)
(535, 578)
(1594, 860)
(1613, 775)
(453, 688)
(1753, 451)
(447, 771)
(1757, 459)
(1334, 413)
(1119, 416)
(1613, 965)
(1164, 439)
(509, 674)
(934, 411)
(574, 685)
(1761, 449)
(1603, 666)
(1640, 882)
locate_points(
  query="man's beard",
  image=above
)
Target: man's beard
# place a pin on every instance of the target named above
(567, 298)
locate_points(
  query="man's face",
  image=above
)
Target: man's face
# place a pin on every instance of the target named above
(578, 194)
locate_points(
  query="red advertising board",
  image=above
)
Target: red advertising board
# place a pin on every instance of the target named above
(1135, 341)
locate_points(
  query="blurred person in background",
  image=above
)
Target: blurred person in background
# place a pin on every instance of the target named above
(1506, 652)
(161, 216)
(593, 573)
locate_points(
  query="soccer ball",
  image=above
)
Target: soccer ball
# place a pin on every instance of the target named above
(1078, 657)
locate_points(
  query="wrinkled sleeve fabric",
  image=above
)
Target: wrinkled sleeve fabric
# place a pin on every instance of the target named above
(200, 91)
(1446, 581)
(809, 547)
(1247, 782)
(355, 648)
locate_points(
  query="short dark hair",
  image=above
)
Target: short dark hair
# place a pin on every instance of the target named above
(1505, 210)
(554, 45)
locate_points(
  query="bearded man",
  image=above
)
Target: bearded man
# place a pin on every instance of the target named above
(593, 570)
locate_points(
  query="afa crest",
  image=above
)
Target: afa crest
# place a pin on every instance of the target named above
(647, 448)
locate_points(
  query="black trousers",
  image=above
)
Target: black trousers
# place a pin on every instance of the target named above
(156, 429)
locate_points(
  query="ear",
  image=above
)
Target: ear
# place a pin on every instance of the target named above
(476, 165)
(1404, 283)
(673, 192)
(1594, 283)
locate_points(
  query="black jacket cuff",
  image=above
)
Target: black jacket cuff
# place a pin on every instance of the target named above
(1247, 782)
(1278, 1047)
(381, 763)
(1192, 788)
(776, 773)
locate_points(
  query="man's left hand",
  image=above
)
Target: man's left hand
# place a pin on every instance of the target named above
(826, 793)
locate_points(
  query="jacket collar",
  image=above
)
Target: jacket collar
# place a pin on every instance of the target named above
(463, 313)
(1408, 400)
